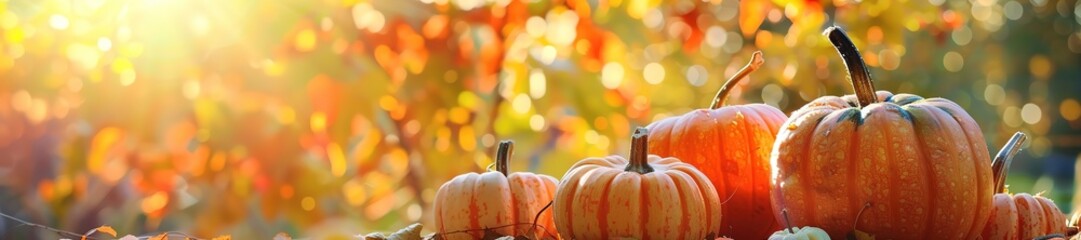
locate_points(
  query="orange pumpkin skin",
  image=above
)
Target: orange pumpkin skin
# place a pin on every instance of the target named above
(920, 164)
(1020, 216)
(599, 198)
(473, 202)
(1002, 224)
(730, 145)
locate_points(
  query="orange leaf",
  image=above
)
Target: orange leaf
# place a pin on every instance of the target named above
(104, 228)
(222, 237)
(751, 14)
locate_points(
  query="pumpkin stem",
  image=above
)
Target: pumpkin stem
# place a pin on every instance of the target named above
(857, 70)
(639, 152)
(502, 154)
(787, 222)
(1001, 164)
(858, 215)
(537, 219)
(752, 65)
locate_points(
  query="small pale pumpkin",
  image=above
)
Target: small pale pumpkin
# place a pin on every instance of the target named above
(497, 201)
(796, 233)
(1019, 216)
(645, 197)
(731, 146)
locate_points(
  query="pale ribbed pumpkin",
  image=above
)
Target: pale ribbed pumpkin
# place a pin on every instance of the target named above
(505, 203)
(796, 233)
(645, 197)
(919, 166)
(1019, 216)
(731, 146)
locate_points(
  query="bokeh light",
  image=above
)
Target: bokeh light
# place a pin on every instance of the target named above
(336, 118)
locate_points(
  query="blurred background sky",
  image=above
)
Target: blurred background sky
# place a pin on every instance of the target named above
(328, 117)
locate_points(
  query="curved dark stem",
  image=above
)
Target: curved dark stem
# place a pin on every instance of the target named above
(733, 194)
(857, 70)
(502, 154)
(1001, 164)
(858, 215)
(546, 232)
(537, 217)
(58, 231)
(639, 152)
(787, 222)
(1052, 236)
(752, 65)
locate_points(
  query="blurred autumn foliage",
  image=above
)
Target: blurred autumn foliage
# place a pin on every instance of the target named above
(334, 118)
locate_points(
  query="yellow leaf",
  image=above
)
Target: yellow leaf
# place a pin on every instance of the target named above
(104, 228)
(751, 14)
(107, 229)
(222, 237)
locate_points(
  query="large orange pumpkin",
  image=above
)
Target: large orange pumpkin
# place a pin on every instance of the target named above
(645, 197)
(505, 203)
(919, 166)
(1019, 216)
(731, 146)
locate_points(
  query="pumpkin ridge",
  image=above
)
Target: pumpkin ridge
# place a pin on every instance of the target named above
(929, 174)
(513, 205)
(939, 125)
(715, 155)
(748, 135)
(1046, 214)
(723, 183)
(519, 182)
(891, 179)
(683, 218)
(807, 177)
(1024, 216)
(474, 218)
(569, 208)
(703, 190)
(1049, 212)
(854, 198)
(943, 123)
(981, 179)
(755, 165)
(796, 202)
(643, 212)
(855, 195)
(550, 184)
(822, 155)
(951, 123)
(605, 207)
